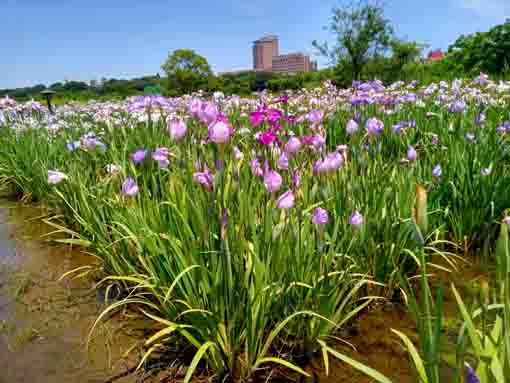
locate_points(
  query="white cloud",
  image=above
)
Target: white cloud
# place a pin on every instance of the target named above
(486, 7)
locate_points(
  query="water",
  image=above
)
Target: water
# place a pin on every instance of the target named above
(44, 322)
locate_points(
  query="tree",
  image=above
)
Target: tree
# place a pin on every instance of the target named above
(186, 70)
(483, 51)
(361, 33)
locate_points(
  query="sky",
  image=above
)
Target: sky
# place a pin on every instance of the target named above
(46, 41)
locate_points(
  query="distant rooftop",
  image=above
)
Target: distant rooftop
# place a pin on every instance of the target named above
(267, 38)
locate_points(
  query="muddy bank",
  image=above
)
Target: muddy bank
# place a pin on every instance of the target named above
(45, 322)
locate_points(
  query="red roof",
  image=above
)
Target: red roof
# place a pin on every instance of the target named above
(435, 55)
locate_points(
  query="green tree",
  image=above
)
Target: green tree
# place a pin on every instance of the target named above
(361, 33)
(186, 71)
(483, 51)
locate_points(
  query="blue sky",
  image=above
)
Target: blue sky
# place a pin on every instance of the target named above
(45, 41)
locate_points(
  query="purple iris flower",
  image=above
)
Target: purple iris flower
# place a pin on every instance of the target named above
(208, 113)
(374, 127)
(435, 139)
(320, 216)
(139, 155)
(315, 116)
(194, 107)
(205, 179)
(296, 178)
(55, 177)
(256, 168)
(177, 128)
(293, 145)
(470, 136)
(272, 181)
(286, 200)
(356, 219)
(129, 187)
(161, 155)
(238, 154)
(352, 127)
(283, 161)
(220, 132)
(412, 155)
(89, 142)
(480, 119)
(458, 106)
(224, 219)
(470, 374)
(397, 128)
(318, 141)
(73, 145)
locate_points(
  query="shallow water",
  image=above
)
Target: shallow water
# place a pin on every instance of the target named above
(44, 322)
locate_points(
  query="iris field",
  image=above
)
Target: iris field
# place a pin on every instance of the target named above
(253, 230)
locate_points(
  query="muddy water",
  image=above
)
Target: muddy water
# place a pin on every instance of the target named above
(44, 322)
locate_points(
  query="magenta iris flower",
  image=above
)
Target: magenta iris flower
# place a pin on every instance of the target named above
(257, 118)
(320, 216)
(267, 137)
(274, 116)
(129, 187)
(286, 200)
(139, 155)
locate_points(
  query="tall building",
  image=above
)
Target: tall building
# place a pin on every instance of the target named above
(292, 63)
(264, 49)
(266, 57)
